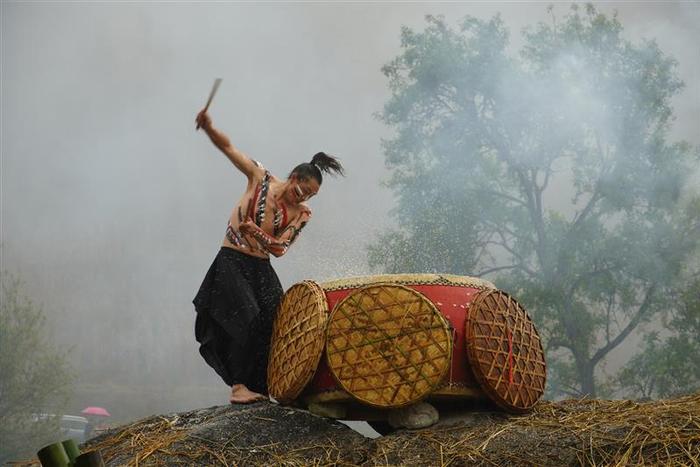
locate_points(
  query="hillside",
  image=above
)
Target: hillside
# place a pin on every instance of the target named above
(573, 432)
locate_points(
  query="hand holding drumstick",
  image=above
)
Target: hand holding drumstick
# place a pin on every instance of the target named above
(221, 141)
(203, 120)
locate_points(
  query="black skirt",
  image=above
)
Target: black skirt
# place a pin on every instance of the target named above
(236, 307)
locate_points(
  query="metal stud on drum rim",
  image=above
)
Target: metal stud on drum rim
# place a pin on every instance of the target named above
(504, 351)
(297, 340)
(388, 345)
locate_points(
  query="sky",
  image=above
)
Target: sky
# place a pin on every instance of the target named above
(113, 206)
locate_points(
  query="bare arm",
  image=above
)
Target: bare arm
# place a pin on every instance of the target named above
(221, 141)
(277, 246)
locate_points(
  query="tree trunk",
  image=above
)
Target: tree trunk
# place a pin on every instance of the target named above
(585, 376)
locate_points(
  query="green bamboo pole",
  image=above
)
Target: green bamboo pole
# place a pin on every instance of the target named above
(71, 449)
(90, 459)
(53, 455)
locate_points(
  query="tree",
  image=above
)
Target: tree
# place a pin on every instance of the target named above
(35, 376)
(669, 367)
(550, 171)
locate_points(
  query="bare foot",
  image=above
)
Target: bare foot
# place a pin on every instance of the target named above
(240, 394)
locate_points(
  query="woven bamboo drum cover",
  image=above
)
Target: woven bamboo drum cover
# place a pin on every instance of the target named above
(407, 279)
(387, 345)
(505, 351)
(297, 340)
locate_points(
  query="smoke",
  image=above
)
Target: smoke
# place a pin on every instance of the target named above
(113, 207)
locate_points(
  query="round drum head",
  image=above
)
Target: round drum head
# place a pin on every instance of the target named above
(505, 351)
(297, 340)
(387, 345)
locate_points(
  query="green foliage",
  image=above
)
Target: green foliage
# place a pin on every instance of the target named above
(669, 367)
(35, 376)
(551, 170)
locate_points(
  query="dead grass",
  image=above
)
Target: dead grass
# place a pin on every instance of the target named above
(583, 432)
(573, 432)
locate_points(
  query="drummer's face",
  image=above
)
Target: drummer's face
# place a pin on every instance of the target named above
(301, 190)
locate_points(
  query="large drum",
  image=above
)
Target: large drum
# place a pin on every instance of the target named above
(393, 340)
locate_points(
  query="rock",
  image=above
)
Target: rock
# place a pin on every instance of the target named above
(328, 409)
(420, 415)
(468, 419)
(257, 434)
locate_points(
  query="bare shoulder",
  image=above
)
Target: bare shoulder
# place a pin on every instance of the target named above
(273, 178)
(258, 172)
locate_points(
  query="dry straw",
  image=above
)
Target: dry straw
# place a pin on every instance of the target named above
(573, 432)
(161, 442)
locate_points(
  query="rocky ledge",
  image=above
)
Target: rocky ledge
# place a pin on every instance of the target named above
(563, 433)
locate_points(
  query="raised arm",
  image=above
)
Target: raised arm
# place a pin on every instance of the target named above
(221, 141)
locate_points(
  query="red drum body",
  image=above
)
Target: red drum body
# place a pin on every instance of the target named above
(389, 341)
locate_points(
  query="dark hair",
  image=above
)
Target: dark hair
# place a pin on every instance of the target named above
(321, 162)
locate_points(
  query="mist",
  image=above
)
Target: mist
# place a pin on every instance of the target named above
(113, 206)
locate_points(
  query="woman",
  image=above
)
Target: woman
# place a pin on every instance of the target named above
(237, 301)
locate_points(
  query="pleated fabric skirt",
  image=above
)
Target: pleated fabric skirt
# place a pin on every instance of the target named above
(236, 306)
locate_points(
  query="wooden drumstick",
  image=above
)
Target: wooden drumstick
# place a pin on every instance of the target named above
(214, 88)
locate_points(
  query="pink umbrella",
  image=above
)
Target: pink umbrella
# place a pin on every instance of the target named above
(95, 411)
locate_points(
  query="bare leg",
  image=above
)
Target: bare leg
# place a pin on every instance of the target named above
(240, 394)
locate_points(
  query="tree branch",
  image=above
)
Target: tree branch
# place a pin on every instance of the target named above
(571, 390)
(578, 219)
(547, 173)
(502, 195)
(535, 214)
(499, 268)
(554, 344)
(503, 228)
(484, 248)
(505, 246)
(611, 302)
(643, 308)
(521, 263)
(445, 103)
(591, 274)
